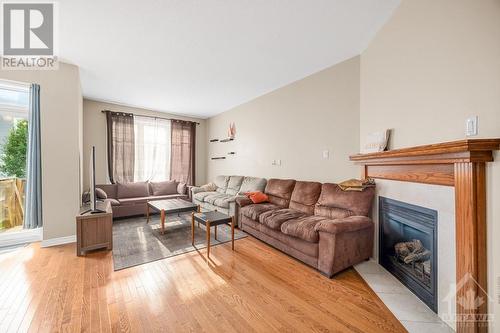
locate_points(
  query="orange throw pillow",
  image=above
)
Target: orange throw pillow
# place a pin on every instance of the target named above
(257, 197)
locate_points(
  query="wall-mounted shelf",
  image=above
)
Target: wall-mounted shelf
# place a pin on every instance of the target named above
(219, 158)
(222, 140)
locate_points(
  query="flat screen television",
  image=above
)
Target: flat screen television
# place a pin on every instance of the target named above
(93, 199)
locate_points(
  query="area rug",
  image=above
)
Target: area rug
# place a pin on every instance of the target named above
(135, 242)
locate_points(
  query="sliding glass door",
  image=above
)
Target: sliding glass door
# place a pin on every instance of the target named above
(14, 105)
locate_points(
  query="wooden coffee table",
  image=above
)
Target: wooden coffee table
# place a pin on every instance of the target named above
(169, 206)
(212, 219)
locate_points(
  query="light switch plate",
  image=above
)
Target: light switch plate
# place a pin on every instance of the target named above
(471, 126)
(326, 154)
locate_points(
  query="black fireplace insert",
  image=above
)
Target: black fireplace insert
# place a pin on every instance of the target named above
(408, 246)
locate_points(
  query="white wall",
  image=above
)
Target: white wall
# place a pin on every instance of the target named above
(94, 134)
(433, 64)
(293, 124)
(60, 105)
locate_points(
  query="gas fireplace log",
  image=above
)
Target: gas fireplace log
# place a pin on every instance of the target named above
(417, 256)
(412, 251)
(427, 267)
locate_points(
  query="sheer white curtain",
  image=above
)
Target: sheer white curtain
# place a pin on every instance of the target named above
(152, 149)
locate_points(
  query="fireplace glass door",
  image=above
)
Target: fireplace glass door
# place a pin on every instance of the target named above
(408, 249)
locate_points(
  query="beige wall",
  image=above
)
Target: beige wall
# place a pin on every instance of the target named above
(60, 101)
(294, 124)
(94, 134)
(435, 63)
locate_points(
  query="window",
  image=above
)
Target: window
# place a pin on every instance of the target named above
(144, 148)
(152, 149)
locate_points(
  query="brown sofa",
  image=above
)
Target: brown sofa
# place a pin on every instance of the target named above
(319, 224)
(130, 199)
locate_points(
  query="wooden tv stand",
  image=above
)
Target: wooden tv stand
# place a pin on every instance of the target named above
(94, 231)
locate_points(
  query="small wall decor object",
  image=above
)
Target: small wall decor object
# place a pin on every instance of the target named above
(376, 142)
(231, 131)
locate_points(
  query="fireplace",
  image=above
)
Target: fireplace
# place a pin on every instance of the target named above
(408, 247)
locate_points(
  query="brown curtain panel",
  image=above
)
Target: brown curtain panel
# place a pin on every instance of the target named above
(121, 150)
(182, 151)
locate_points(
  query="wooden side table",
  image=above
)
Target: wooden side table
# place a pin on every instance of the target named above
(212, 219)
(94, 231)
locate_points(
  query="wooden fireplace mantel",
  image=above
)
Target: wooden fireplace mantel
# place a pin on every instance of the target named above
(460, 164)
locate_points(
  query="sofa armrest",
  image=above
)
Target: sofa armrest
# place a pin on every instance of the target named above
(344, 242)
(243, 201)
(197, 189)
(347, 224)
(182, 188)
(188, 191)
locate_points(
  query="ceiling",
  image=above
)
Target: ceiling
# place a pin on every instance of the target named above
(204, 57)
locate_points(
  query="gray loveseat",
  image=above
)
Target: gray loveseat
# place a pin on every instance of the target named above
(130, 199)
(224, 191)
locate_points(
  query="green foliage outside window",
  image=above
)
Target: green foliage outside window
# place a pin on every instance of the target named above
(13, 157)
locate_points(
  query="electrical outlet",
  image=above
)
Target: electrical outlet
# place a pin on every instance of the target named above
(471, 126)
(326, 154)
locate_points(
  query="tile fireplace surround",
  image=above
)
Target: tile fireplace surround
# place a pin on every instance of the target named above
(461, 165)
(440, 199)
(401, 224)
(415, 316)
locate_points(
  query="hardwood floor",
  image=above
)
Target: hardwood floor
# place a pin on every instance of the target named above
(254, 289)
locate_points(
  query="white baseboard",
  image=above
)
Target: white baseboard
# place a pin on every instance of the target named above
(59, 241)
(20, 237)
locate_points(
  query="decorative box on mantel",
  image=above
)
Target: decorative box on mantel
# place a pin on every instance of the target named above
(460, 164)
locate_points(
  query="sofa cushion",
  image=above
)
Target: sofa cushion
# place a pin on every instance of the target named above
(181, 188)
(257, 197)
(224, 202)
(100, 193)
(332, 212)
(110, 190)
(219, 199)
(214, 196)
(163, 188)
(113, 202)
(141, 200)
(132, 190)
(335, 203)
(234, 184)
(200, 196)
(210, 187)
(304, 196)
(303, 228)
(135, 200)
(252, 184)
(279, 191)
(169, 196)
(275, 218)
(253, 211)
(221, 183)
(271, 236)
